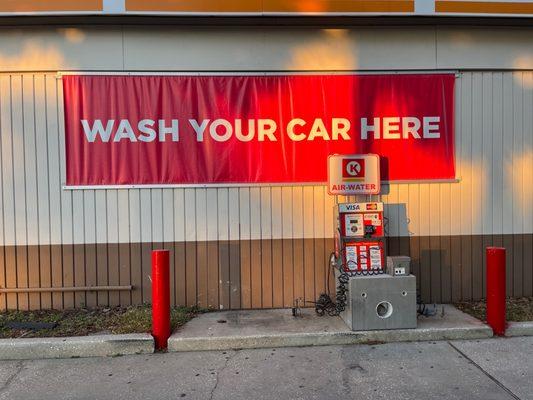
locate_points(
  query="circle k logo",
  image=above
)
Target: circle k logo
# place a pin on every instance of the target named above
(353, 169)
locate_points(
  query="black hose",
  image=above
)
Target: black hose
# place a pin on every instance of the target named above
(325, 304)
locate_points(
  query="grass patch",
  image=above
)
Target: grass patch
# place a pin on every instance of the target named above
(79, 322)
(518, 310)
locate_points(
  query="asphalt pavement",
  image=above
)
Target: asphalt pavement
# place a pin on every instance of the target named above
(478, 369)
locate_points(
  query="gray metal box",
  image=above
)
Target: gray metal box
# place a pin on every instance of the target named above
(398, 265)
(381, 302)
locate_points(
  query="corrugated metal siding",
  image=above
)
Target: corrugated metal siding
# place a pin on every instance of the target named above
(257, 247)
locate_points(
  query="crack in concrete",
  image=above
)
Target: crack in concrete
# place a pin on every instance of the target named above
(487, 374)
(9, 380)
(228, 359)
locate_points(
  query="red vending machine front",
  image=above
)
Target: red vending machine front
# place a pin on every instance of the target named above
(361, 237)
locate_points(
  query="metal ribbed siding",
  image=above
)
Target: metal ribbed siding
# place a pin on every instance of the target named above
(260, 246)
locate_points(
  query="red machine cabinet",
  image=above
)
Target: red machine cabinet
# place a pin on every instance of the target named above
(360, 236)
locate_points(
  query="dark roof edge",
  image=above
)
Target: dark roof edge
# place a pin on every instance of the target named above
(334, 21)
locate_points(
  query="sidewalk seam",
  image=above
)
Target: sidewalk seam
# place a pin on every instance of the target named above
(492, 378)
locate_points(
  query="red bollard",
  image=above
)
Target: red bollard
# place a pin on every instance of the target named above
(496, 289)
(160, 298)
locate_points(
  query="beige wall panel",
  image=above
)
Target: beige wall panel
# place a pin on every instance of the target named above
(179, 214)
(517, 146)
(135, 215)
(157, 214)
(30, 173)
(527, 157)
(168, 215)
(6, 144)
(54, 162)
(123, 216)
(192, 49)
(42, 160)
(65, 196)
(413, 209)
(484, 48)
(112, 216)
(265, 207)
(479, 175)
(146, 215)
(508, 166)
(258, 49)
(445, 206)
(20, 141)
(463, 125)
(497, 153)
(60, 48)
(329, 214)
(487, 164)
(380, 48)
(233, 213)
(262, 49)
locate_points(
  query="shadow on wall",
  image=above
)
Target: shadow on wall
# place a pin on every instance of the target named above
(431, 258)
(451, 267)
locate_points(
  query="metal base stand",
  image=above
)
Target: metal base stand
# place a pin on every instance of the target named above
(380, 302)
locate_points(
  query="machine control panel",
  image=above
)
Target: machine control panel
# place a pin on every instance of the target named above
(354, 226)
(363, 220)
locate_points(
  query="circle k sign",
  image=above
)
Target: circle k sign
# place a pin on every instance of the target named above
(353, 168)
(353, 174)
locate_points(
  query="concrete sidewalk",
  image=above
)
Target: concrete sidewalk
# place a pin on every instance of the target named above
(75, 347)
(489, 369)
(248, 329)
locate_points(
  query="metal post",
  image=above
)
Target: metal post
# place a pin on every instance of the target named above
(496, 289)
(160, 298)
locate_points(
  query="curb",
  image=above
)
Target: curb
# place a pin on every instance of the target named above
(519, 329)
(74, 347)
(178, 344)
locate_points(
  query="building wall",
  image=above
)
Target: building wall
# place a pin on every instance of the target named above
(278, 48)
(252, 247)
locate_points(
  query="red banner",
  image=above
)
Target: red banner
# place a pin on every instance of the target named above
(124, 130)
